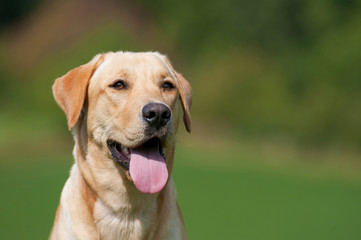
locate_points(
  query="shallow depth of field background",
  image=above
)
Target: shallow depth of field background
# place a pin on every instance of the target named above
(275, 151)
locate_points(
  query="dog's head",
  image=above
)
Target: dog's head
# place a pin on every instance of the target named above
(130, 104)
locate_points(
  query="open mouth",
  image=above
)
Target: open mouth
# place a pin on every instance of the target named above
(120, 153)
(145, 164)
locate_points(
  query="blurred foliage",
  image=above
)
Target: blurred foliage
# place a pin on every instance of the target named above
(262, 68)
(13, 10)
(288, 68)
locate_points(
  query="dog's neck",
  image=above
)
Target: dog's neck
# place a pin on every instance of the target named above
(120, 211)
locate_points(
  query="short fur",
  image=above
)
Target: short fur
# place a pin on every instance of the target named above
(99, 200)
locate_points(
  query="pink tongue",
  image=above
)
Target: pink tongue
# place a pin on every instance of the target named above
(148, 169)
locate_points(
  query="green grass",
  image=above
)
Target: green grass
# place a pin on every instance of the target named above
(247, 204)
(239, 201)
(30, 192)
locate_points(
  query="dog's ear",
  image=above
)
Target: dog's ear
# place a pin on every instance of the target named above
(70, 90)
(185, 95)
(185, 92)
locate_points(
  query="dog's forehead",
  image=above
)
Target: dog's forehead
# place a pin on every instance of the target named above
(134, 63)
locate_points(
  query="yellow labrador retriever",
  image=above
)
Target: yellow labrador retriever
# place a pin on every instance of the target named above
(123, 109)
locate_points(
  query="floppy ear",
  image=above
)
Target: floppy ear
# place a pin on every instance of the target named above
(185, 95)
(185, 92)
(70, 90)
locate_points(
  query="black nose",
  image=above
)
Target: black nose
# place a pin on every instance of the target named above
(156, 114)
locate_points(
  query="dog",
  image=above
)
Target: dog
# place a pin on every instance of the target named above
(123, 109)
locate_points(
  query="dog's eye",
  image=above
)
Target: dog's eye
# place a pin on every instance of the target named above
(168, 86)
(119, 84)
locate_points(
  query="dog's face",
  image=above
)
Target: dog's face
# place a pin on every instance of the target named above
(132, 104)
(132, 98)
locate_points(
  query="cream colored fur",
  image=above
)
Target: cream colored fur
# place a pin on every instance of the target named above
(99, 201)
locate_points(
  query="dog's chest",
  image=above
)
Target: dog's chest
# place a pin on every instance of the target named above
(124, 224)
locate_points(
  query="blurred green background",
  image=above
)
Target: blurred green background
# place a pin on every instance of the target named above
(276, 142)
